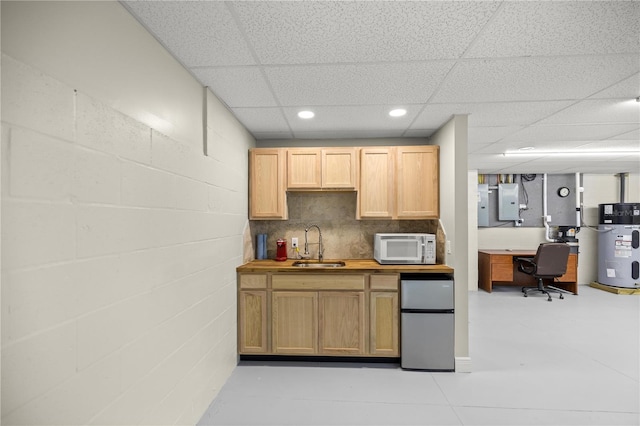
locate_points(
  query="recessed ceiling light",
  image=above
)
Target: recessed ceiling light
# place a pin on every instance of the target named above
(397, 112)
(306, 114)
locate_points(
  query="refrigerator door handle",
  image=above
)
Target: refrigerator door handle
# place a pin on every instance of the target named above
(426, 311)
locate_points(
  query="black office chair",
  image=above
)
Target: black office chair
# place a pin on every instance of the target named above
(549, 262)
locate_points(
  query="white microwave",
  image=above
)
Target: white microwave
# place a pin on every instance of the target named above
(404, 249)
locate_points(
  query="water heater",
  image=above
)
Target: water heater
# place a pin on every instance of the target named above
(618, 245)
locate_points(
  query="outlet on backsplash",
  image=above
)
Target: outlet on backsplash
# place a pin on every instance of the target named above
(294, 242)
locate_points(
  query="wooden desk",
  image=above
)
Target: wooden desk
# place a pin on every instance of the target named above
(498, 267)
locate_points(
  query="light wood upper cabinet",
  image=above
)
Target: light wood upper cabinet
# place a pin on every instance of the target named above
(304, 168)
(339, 168)
(267, 191)
(376, 195)
(321, 168)
(417, 181)
(399, 183)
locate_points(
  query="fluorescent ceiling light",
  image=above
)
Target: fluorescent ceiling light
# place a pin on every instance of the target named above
(306, 114)
(570, 153)
(397, 112)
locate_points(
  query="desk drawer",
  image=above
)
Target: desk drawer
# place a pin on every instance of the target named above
(571, 275)
(503, 259)
(502, 271)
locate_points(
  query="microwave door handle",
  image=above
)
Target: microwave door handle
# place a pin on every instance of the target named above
(424, 252)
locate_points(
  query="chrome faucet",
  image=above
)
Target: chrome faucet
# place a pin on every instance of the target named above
(306, 241)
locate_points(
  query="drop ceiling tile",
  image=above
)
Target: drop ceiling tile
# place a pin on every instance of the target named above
(419, 133)
(261, 120)
(353, 118)
(484, 135)
(347, 134)
(237, 86)
(533, 79)
(476, 147)
(337, 31)
(494, 160)
(597, 111)
(197, 33)
(272, 135)
(490, 114)
(362, 84)
(503, 146)
(618, 145)
(560, 133)
(628, 88)
(633, 135)
(617, 166)
(540, 28)
(581, 165)
(533, 168)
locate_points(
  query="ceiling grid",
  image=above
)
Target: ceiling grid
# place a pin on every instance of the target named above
(536, 73)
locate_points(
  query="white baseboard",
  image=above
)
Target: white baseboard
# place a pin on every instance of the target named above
(463, 364)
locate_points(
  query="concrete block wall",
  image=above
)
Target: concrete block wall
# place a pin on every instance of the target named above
(119, 248)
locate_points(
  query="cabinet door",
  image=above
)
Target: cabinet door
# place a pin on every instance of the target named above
(339, 168)
(417, 182)
(294, 316)
(383, 323)
(376, 195)
(252, 322)
(267, 195)
(342, 319)
(304, 168)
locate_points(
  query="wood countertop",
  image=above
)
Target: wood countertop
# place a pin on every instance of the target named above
(351, 265)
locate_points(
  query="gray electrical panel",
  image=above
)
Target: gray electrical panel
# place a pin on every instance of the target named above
(508, 203)
(483, 204)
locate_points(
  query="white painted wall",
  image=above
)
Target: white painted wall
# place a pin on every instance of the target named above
(452, 139)
(472, 209)
(598, 189)
(120, 241)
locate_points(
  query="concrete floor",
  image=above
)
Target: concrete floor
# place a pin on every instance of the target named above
(567, 362)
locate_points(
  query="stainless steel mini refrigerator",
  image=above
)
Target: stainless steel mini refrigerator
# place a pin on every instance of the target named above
(427, 324)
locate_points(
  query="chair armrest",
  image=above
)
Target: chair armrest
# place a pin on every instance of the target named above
(526, 265)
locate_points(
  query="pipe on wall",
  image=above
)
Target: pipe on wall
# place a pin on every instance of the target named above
(544, 209)
(578, 201)
(623, 183)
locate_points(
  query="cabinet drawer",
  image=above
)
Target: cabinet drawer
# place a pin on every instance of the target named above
(317, 282)
(384, 282)
(253, 281)
(502, 272)
(496, 258)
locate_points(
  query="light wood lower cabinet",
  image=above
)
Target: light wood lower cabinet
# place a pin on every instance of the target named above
(318, 314)
(252, 328)
(294, 319)
(384, 327)
(342, 323)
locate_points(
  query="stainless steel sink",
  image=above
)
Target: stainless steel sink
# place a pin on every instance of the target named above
(299, 264)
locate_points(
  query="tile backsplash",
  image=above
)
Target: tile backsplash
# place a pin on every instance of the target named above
(343, 236)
